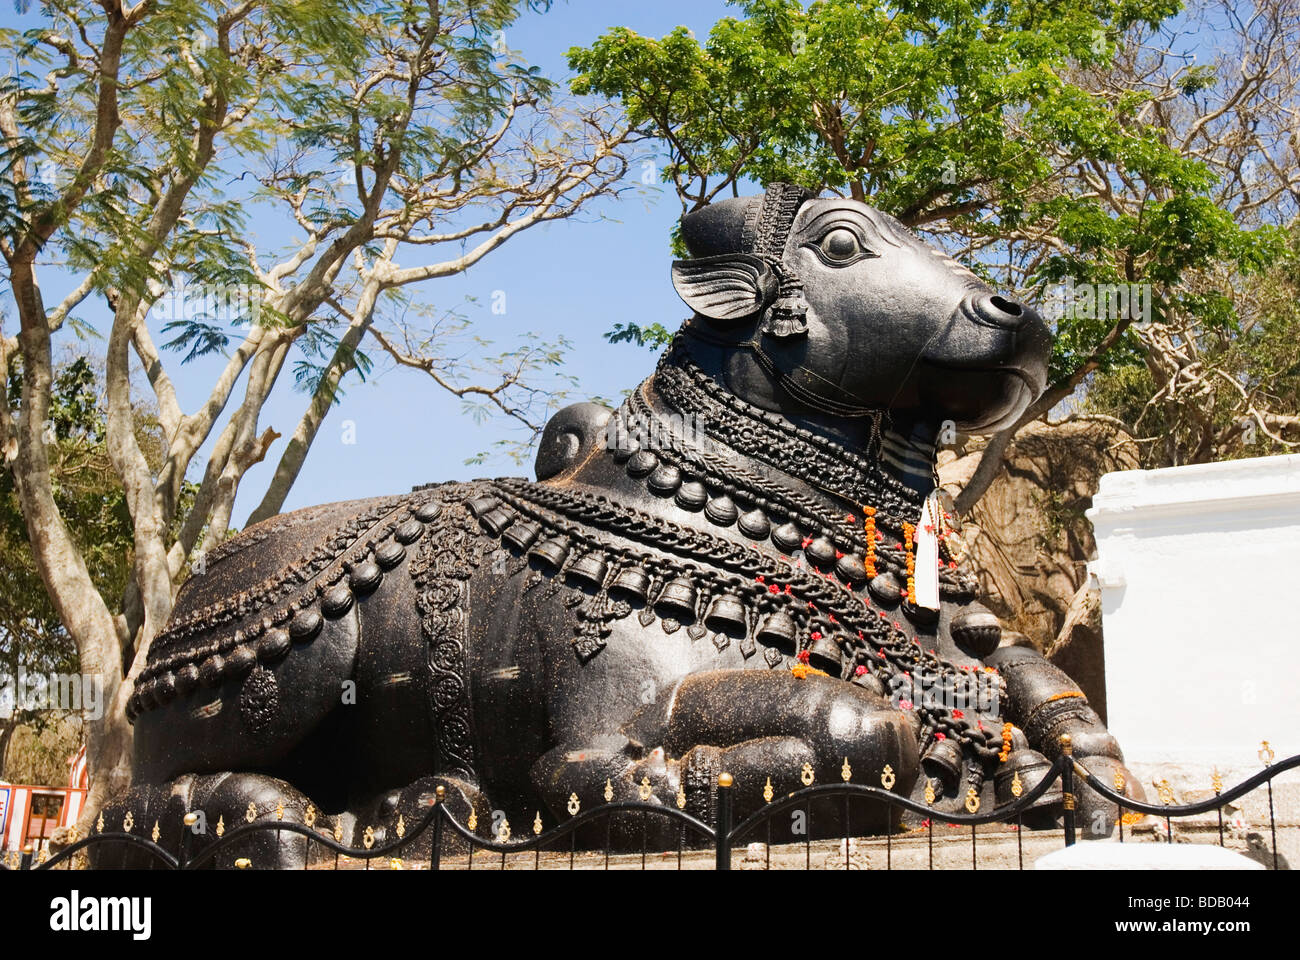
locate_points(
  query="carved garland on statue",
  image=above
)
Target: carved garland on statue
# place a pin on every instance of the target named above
(450, 550)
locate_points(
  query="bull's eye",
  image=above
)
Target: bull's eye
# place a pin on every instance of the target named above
(840, 245)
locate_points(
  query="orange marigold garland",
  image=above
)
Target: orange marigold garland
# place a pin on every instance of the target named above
(1006, 743)
(909, 530)
(869, 526)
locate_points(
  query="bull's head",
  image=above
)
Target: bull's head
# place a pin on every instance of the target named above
(850, 313)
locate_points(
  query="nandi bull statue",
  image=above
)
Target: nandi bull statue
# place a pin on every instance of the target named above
(743, 569)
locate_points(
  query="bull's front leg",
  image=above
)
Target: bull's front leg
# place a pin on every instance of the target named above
(1046, 704)
(757, 726)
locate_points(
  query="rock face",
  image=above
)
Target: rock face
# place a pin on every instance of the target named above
(1029, 542)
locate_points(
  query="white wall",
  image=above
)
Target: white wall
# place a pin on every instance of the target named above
(1199, 569)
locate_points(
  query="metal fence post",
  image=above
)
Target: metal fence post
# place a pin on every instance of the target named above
(723, 824)
(1067, 787)
(189, 820)
(435, 850)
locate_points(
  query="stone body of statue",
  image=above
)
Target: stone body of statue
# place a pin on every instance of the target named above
(736, 571)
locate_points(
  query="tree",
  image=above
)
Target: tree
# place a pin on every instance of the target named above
(32, 640)
(1219, 376)
(139, 142)
(1012, 133)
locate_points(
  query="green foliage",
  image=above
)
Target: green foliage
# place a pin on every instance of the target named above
(90, 498)
(1247, 371)
(31, 636)
(652, 335)
(963, 117)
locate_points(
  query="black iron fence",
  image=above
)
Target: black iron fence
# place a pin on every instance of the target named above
(456, 845)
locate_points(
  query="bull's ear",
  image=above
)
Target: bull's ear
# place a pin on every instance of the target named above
(727, 288)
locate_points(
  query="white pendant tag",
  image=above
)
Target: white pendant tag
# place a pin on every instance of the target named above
(927, 553)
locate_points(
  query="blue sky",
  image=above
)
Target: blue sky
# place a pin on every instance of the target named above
(572, 278)
(575, 278)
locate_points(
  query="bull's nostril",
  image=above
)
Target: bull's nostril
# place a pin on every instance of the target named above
(1007, 306)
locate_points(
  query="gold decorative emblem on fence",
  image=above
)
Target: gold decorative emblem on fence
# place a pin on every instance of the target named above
(251, 813)
(401, 827)
(309, 815)
(221, 826)
(1216, 780)
(1017, 786)
(888, 778)
(99, 822)
(1119, 781)
(156, 833)
(243, 863)
(1266, 753)
(128, 821)
(472, 822)
(846, 772)
(338, 830)
(767, 791)
(645, 790)
(1165, 791)
(537, 823)
(279, 809)
(368, 838)
(929, 791)
(972, 801)
(574, 805)
(806, 775)
(681, 796)
(609, 790)
(503, 831)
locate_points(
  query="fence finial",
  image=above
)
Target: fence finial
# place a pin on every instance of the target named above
(1067, 745)
(725, 780)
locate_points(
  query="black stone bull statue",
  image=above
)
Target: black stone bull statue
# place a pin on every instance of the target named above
(742, 570)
